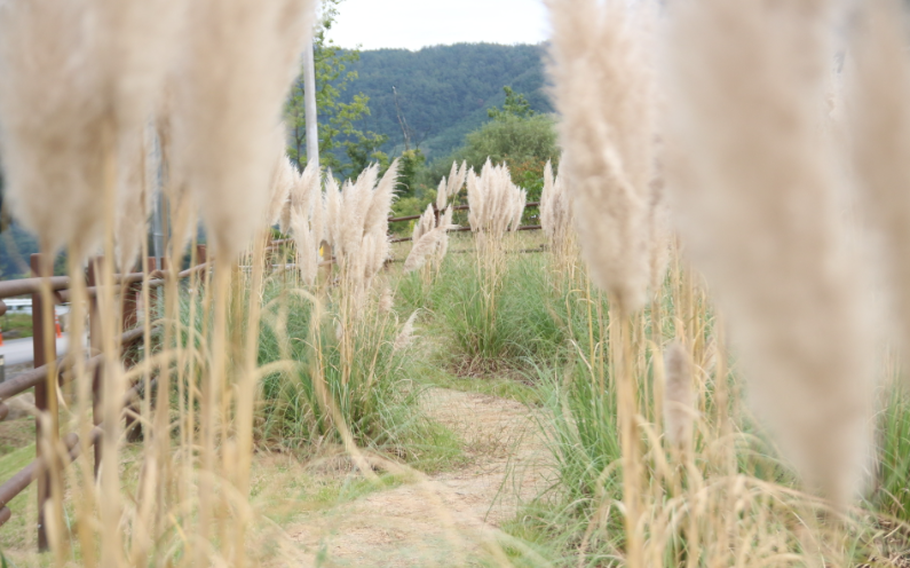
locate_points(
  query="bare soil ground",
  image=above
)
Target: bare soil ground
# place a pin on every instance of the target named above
(448, 519)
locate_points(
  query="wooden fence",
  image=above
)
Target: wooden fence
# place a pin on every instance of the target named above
(46, 391)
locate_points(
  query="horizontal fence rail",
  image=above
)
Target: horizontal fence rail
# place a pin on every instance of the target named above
(275, 243)
(130, 285)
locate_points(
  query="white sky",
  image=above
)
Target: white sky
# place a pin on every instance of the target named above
(412, 24)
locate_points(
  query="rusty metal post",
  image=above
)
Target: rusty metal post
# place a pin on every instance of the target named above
(94, 333)
(42, 394)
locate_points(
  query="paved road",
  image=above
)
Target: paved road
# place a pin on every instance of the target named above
(16, 351)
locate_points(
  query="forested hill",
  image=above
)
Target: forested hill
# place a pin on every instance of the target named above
(444, 91)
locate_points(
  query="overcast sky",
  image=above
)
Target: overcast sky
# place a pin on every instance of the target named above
(412, 24)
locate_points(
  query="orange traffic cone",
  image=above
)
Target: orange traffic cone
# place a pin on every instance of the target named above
(57, 326)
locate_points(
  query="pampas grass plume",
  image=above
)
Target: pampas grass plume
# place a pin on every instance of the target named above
(284, 178)
(51, 160)
(879, 97)
(377, 217)
(425, 224)
(134, 198)
(407, 333)
(603, 90)
(760, 213)
(422, 249)
(77, 75)
(230, 88)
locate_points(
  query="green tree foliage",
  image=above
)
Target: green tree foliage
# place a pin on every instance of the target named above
(409, 165)
(338, 135)
(444, 92)
(517, 136)
(515, 105)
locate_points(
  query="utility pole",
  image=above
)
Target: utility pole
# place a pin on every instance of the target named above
(309, 94)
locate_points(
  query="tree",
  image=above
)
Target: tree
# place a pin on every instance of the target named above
(515, 105)
(336, 118)
(517, 136)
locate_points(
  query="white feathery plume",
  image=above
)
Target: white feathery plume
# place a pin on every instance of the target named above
(235, 72)
(307, 252)
(377, 217)
(358, 200)
(556, 218)
(425, 224)
(879, 87)
(456, 181)
(305, 191)
(759, 209)
(136, 42)
(386, 301)
(496, 204)
(284, 178)
(355, 200)
(547, 201)
(317, 218)
(603, 89)
(406, 334)
(381, 251)
(519, 200)
(659, 237)
(423, 248)
(106, 61)
(333, 219)
(184, 217)
(441, 196)
(431, 243)
(135, 192)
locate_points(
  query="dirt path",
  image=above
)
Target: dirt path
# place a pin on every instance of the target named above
(447, 519)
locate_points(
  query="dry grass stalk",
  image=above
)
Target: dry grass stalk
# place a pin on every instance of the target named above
(679, 400)
(759, 211)
(879, 87)
(603, 89)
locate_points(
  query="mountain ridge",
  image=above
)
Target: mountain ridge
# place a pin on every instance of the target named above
(443, 92)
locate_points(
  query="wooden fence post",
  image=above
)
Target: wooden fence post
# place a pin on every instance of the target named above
(130, 318)
(94, 333)
(42, 394)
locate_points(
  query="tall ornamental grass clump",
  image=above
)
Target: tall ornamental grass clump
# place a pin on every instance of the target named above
(307, 394)
(496, 207)
(713, 489)
(86, 80)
